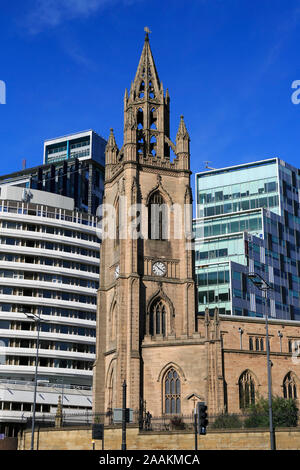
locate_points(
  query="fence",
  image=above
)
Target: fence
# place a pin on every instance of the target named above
(144, 421)
(87, 418)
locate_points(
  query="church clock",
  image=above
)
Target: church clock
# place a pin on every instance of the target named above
(159, 268)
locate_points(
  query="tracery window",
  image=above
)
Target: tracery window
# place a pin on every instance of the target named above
(172, 392)
(246, 390)
(258, 342)
(289, 386)
(158, 217)
(158, 314)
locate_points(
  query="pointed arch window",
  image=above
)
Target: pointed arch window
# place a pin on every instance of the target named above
(141, 144)
(117, 223)
(151, 90)
(246, 390)
(289, 386)
(113, 320)
(111, 392)
(172, 392)
(157, 217)
(153, 146)
(157, 321)
(142, 90)
(140, 118)
(153, 118)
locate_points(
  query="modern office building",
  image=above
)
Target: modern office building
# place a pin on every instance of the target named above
(73, 167)
(49, 267)
(248, 220)
(82, 145)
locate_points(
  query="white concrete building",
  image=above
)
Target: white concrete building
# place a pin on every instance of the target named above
(49, 266)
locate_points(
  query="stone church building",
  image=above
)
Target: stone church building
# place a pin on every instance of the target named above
(149, 332)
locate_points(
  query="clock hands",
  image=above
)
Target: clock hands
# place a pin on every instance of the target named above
(159, 268)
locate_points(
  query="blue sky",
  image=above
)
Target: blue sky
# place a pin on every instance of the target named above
(228, 64)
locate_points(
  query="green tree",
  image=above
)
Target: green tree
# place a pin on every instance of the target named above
(227, 421)
(285, 413)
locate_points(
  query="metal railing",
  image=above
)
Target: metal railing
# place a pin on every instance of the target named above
(86, 418)
(46, 385)
(165, 423)
(169, 423)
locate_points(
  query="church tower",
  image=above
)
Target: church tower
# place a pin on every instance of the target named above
(146, 325)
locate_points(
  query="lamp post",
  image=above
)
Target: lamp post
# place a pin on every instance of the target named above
(263, 286)
(124, 387)
(194, 399)
(37, 319)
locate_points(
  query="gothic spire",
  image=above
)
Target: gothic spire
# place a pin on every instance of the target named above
(111, 143)
(182, 132)
(183, 142)
(111, 151)
(146, 78)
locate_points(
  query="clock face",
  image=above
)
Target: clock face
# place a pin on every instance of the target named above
(159, 268)
(117, 271)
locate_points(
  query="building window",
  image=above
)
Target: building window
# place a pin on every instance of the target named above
(117, 223)
(257, 342)
(294, 346)
(140, 118)
(172, 392)
(113, 322)
(246, 390)
(289, 386)
(158, 315)
(157, 218)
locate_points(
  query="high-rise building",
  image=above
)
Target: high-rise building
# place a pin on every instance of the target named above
(81, 145)
(49, 267)
(73, 167)
(248, 220)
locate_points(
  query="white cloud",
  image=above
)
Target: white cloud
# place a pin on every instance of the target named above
(51, 13)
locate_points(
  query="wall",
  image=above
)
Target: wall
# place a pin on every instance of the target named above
(237, 360)
(9, 443)
(81, 439)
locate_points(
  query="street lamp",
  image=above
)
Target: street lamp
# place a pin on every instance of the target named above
(37, 319)
(263, 286)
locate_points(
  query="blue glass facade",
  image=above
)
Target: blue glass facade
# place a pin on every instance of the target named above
(248, 221)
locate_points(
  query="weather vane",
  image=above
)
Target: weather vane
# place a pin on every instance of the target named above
(147, 30)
